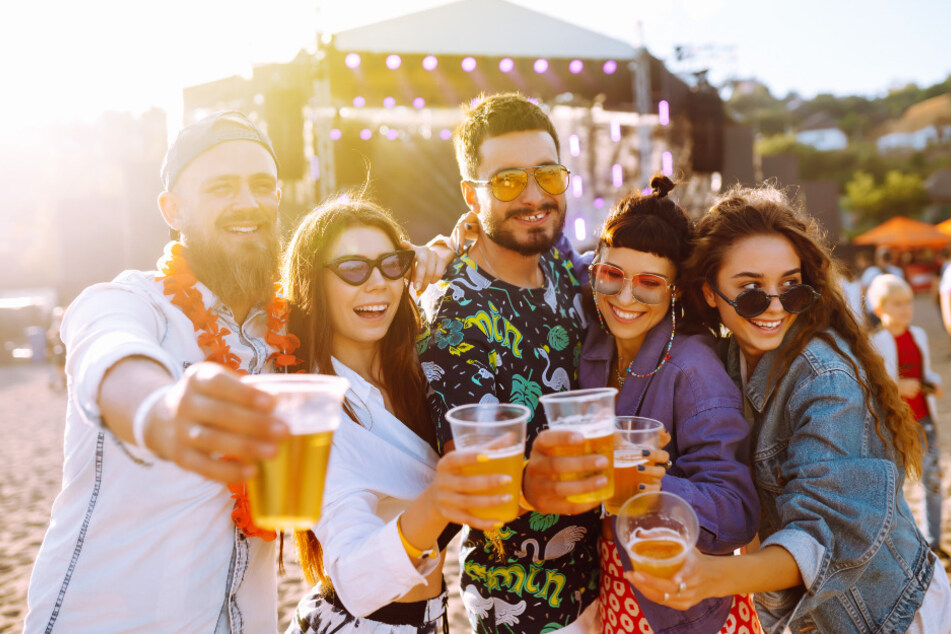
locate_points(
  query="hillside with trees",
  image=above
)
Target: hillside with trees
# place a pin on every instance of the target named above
(875, 184)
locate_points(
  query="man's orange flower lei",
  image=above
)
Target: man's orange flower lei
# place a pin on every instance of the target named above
(179, 284)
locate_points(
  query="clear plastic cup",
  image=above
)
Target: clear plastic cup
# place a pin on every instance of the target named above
(657, 530)
(591, 413)
(496, 432)
(288, 490)
(632, 436)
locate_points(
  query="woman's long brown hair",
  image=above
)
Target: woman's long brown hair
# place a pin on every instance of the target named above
(743, 212)
(402, 376)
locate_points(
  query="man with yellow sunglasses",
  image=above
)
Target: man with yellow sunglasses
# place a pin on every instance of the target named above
(506, 326)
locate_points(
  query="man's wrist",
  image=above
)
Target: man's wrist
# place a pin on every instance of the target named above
(141, 417)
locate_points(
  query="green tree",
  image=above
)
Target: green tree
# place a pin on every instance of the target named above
(900, 194)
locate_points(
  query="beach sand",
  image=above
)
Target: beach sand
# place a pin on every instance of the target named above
(31, 456)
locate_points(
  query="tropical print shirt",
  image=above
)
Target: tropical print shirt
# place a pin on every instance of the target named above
(487, 342)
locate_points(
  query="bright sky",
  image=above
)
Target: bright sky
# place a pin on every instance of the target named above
(64, 60)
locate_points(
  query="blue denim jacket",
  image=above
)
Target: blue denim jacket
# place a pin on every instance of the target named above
(831, 495)
(710, 447)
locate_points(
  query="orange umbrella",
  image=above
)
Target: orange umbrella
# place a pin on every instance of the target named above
(904, 233)
(944, 227)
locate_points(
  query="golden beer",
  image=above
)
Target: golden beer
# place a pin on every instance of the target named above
(660, 555)
(508, 462)
(288, 490)
(626, 476)
(604, 445)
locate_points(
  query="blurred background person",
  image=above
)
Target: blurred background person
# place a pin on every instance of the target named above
(907, 356)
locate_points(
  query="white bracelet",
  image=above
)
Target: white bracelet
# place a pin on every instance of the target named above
(142, 412)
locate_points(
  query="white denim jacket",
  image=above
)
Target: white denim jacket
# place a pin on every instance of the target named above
(136, 544)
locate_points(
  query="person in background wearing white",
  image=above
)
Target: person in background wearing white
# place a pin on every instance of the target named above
(904, 348)
(883, 264)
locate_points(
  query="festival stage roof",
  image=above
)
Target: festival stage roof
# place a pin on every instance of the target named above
(493, 28)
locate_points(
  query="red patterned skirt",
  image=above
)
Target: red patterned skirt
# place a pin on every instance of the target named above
(620, 613)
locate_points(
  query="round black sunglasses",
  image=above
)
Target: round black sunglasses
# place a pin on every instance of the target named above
(754, 301)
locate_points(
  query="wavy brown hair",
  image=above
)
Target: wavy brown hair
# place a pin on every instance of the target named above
(402, 377)
(766, 210)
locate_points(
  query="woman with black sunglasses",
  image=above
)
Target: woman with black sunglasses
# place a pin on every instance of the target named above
(640, 341)
(840, 551)
(375, 557)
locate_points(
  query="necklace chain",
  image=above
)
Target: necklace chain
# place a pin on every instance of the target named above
(622, 376)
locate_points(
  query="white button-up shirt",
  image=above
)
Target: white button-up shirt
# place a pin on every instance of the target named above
(376, 469)
(136, 544)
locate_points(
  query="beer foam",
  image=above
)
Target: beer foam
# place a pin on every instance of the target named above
(625, 459)
(488, 445)
(589, 425)
(659, 533)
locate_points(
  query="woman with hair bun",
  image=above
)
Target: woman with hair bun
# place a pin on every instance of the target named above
(642, 342)
(839, 550)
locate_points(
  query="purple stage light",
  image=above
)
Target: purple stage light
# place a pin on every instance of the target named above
(352, 60)
(392, 134)
(533, 100)
(575, 66)
(667, 163)
(541, 65)
(506, 65)
(335, 134)
(609, 67)
(576, 186)
(393, 61)
(574, 145)
(617, 175)
(419, 102)
(314, 168)
(469, 64)
(615, 130)
(580, 230)
(598, 202)
(430, 62)
(389, 102)
(359, 102)
(663, 112)
(445, 134)
(365, 134)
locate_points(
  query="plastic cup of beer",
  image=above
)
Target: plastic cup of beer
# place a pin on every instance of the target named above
(632, 436)
(657, 530)
(591, 413)
(287, 492)
(496, 433)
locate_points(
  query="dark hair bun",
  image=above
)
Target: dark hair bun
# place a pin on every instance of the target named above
(661, 185)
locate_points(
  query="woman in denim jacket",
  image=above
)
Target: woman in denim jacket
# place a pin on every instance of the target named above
(833, 441)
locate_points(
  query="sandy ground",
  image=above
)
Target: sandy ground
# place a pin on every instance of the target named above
(31, 454)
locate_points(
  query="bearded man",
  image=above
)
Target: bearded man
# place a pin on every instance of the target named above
(506, 326)
(144, 535)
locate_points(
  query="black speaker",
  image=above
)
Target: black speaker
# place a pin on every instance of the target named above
(705, 110)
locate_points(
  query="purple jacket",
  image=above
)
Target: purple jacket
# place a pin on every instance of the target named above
(710, 448)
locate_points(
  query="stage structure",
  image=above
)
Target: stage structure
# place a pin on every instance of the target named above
(386, 97)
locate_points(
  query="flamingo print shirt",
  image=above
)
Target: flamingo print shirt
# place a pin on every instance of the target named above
(489, 341)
